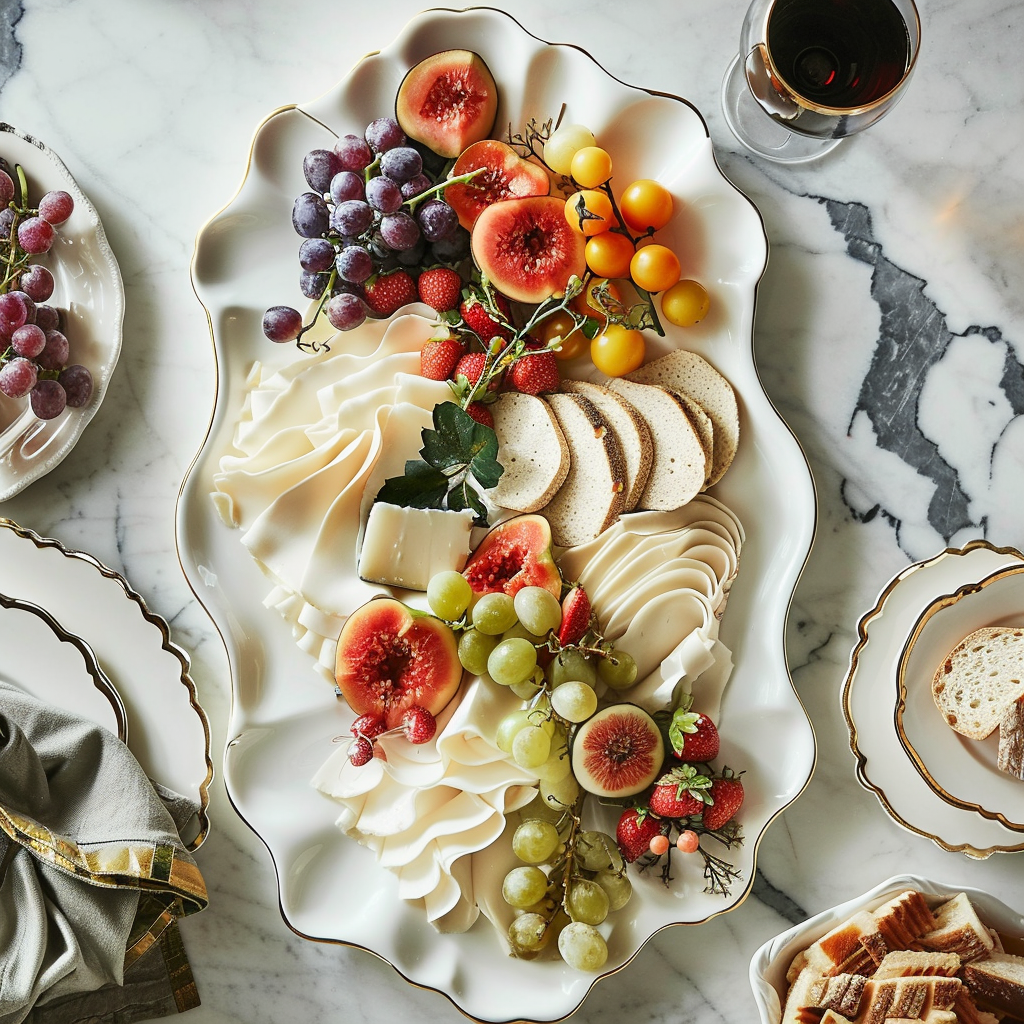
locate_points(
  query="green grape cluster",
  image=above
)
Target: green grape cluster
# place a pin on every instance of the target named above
(502, 638)
(569, 881)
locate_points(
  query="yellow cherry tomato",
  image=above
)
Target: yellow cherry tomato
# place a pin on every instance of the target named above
(586, 305)
(563, 145)
(608, 254)
(562, 325)
(591, 166)
(654, 268)
(617, 350)
(589, 212)
(685, 303)
(646, 204)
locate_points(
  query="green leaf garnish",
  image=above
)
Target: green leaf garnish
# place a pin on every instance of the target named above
(458, 454)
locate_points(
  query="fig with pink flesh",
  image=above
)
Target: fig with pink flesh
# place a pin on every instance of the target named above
(392, 657)
(513, 555)
(527, 248)
(618, 752)
(504, 174)
(448, 102)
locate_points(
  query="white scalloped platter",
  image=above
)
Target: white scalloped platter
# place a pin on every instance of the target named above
(88, 288)
(283, 716)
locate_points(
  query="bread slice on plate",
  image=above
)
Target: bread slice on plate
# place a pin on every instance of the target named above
(1011, 739)
(692, 375)
(979, 678)
(532, 450)
(594, 492)
(679, 462)
(631, 430)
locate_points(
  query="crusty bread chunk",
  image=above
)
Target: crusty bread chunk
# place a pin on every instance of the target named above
(630, 428)
(678, 467)
(998, 982)
(693, 375)
(979, 678)
(594, 492)
(532, 450)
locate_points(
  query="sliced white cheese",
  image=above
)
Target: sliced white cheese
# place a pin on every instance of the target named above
(404, 547)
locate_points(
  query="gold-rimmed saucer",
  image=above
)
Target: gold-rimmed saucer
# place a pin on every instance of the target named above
(958, 770)
(870, 694)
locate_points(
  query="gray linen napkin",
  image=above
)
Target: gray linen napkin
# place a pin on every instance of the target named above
(93, 874)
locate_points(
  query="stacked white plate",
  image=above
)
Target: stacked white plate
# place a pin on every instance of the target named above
(930, 779)
(76, 635)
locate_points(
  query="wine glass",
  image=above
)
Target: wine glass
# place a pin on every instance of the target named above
(811, 72)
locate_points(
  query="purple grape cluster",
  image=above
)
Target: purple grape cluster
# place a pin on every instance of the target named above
(374, 205)
(35, 349)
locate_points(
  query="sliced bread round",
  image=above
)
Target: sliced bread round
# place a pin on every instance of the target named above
(532, 450)
(978, 679)
(691, 374)
(594, 492)
(629, 426)
(679, 462)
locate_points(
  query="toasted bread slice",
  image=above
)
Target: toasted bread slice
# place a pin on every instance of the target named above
(998, 982)
(705, 429)
(979, 678)
(678, 466)
(691, 374)
(906, 963)
(632, 431)
(958, 929)
(594, 492)
(532, 450)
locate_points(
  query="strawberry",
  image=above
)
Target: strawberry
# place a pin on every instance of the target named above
(480, 413)
(360, 752)
(679, 793)
(697, 738)
(440, 288)
(419, 724)
(533, 374)
(575, 617)
(387, 293)
(438, 359)
(477, 318)
(369, 725)
(635, 831)
(471, 366)
(727, 798)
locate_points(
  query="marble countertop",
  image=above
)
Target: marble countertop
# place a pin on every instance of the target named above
(888, 334)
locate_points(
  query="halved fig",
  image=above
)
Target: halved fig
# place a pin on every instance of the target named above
(618, 752)
(391, 658)
(448, 101)
(513, 555)
(527, 248)
(505, 175)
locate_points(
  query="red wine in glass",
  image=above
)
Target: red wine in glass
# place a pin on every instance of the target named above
(821, 69)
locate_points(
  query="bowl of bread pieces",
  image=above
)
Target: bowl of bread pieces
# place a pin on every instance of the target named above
(960, 705)
(912, 949)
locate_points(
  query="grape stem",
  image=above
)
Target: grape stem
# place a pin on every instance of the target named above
(316, 346)
(441, 186)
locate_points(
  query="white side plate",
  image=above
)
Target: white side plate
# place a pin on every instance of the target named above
(88, 288)
(167, 729)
